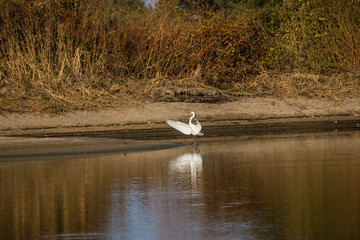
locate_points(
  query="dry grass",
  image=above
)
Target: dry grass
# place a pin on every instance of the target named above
(68, 55)
(55, 57)
(336, 87)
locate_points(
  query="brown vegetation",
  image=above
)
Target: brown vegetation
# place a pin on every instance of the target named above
(75, 54)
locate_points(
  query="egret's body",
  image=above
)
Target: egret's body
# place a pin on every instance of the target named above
(187, 129)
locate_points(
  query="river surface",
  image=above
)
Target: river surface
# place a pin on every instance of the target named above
(304, 186)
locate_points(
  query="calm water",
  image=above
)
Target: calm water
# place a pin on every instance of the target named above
(280, 187)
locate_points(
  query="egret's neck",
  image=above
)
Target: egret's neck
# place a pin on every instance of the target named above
(191, 118)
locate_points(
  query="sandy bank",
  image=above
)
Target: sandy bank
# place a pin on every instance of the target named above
(249, 113)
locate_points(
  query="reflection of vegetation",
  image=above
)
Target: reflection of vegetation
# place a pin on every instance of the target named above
(286, 187)
(68, 196)
(77, 54)
(283, 188)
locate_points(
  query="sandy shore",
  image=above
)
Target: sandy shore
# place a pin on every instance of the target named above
(151, 117)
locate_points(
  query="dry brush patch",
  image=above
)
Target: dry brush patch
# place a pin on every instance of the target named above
(68, 55)
(56, 57)
(333, 88)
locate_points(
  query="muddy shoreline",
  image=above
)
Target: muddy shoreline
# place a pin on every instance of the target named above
(147, 121)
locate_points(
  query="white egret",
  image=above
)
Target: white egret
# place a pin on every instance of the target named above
(188, 129)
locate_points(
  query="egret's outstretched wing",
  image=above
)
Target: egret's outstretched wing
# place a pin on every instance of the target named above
(197, 128)
(182, 127)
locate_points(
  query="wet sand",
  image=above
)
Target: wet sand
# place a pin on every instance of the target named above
(143, 127)
(148, 120)
(12, 148)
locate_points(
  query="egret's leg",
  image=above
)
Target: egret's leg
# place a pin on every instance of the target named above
(195, 142)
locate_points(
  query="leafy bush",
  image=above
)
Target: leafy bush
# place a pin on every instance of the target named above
(313, 36)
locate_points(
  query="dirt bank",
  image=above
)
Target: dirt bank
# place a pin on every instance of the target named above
(246, 113)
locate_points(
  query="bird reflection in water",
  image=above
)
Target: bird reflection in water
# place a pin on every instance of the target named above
(188, 164)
